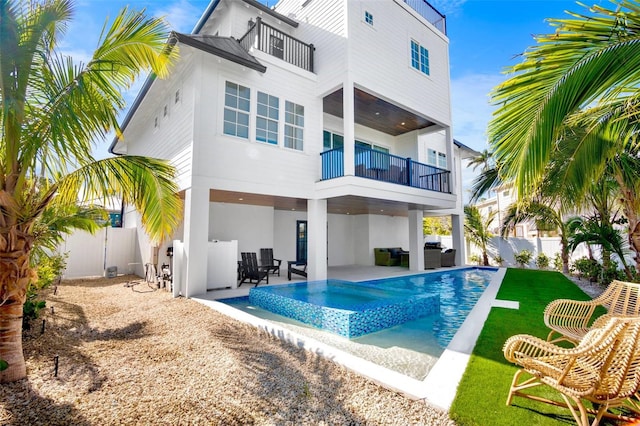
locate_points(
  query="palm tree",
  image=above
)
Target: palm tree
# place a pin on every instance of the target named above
(545, 215)
(477, 229)
(51, 112)
(586, 75)
(484, 160)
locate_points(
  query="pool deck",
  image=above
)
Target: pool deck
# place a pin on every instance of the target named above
(439, 387)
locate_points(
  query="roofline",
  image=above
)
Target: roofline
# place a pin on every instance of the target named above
(261, 7)
(190, 41)
(465, 147)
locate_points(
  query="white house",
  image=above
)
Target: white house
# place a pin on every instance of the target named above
(320, 128)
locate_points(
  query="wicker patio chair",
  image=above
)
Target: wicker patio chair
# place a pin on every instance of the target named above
(570, 319)
(604, 369)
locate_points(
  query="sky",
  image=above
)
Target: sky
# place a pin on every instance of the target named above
(485, 37)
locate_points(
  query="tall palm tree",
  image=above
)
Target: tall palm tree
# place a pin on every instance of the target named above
(585, 75)
(477, 229)
(51, 111)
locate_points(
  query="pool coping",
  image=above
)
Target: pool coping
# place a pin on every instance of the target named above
(440, 385)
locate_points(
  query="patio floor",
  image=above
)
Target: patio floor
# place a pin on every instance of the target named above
(438, 388)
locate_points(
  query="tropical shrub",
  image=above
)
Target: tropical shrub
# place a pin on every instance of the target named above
(542, 261)
(523, 258)
(498, 259)
(49, 269)
(588, 268)
(557, 262)
(475, 258)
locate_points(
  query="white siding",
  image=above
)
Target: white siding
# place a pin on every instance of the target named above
(252, 226)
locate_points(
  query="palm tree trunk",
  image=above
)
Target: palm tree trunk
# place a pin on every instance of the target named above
(634, 238)
(11, 343)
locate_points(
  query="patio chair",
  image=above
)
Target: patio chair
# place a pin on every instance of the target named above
(251, 271)
(268, 262)
(571, 319)
(432, 258)
(299, 268)
(604, 369)
(448, 258)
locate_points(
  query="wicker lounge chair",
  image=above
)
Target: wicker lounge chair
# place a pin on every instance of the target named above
(267, 261)
(448, 258)
(604, 369)
(251, 271)
(570, 319)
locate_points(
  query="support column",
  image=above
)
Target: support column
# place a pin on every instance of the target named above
(317, 239)
(457, 236)
(416, 241)
(348, 113)
(196, 235)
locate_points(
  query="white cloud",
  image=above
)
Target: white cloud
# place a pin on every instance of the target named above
(181, 15)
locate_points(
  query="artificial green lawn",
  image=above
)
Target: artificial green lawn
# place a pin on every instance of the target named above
(483, 390)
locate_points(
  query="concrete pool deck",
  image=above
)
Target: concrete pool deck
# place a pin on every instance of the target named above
(438, 388)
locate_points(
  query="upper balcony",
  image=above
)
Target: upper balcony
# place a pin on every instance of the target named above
(385, 167)
(264, 37)
(429, 13)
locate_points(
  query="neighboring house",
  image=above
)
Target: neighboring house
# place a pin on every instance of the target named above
(321, 128)
(499, 201)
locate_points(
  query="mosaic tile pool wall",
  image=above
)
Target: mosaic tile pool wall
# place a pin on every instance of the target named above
(353, 322)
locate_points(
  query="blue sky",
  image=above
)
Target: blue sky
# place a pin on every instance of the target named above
(485, 37)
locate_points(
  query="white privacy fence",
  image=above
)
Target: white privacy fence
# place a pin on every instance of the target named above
(90, 255)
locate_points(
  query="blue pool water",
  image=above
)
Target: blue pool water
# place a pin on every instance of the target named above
(429, 307)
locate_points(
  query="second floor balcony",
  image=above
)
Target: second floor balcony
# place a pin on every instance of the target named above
(385, 167)
(270, 40)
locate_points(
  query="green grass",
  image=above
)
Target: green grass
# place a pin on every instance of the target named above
(483, 390)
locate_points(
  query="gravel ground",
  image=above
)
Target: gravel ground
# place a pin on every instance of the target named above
(139, 357)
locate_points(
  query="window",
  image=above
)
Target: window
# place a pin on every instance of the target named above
(366, 145)
(432, 157)
(236, 110)
(293, 125)
(332, 141)
(368, 18)
(442, 160)
(419, 57)
(276, 46)
(267, 118)
(505, 193)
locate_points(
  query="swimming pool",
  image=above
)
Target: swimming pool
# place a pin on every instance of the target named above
(410, 348)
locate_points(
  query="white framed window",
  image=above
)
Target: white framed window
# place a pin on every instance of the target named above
(236, 110)
(368, 17)
(505, 193)
(294, 126)
(442, 160)
(419, 57)
(432, 156)
(331, 141)
(267, 117)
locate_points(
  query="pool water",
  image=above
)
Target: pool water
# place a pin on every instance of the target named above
(410, 347)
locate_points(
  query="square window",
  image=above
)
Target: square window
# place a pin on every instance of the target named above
(294, 125)
(368, 18)
(267, 117)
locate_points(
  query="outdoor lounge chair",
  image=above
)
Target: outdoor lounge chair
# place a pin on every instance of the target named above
(448, 257)
(298, 268)
(251, 271)
(571, 319)
(604, 368)
(268, 262)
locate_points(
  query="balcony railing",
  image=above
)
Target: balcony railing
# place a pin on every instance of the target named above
(429, 13)
(385, 167)
(270, 40)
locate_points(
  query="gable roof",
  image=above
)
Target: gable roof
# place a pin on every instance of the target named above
(214, 3)
(467, 152)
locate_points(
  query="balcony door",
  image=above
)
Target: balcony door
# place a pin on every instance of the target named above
(301, 241)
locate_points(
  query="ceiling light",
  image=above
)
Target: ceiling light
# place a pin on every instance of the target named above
(240, 199)
(402, 124)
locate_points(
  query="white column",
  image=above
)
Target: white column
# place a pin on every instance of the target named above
(196, 234)
(348, 112)
(317, 239)
(457, 235)
(416, 241)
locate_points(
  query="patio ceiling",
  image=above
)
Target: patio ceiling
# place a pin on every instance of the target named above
(376, 113)
(350, 205)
